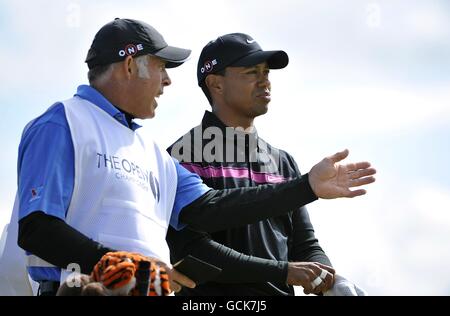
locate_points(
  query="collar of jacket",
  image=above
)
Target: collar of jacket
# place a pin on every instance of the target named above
(211, 120)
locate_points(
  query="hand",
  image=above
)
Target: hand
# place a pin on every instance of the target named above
(330, 180)
(305, 274)
(178, 280)
(343, 287)
(86, 287)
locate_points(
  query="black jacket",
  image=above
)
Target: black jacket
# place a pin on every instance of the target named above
(258, 263)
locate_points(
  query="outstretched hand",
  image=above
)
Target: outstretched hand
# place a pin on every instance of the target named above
(330, 180)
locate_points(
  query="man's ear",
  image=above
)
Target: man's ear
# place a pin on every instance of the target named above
(128, 67)
(214, 84)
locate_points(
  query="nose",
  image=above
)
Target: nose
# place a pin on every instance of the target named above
(166, 81)
(264, 80)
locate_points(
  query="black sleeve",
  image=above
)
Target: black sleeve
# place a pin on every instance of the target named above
(305, 246)
(222, 209)
(54, 241)
(236, 267)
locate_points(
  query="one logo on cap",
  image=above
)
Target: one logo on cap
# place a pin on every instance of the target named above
(131, 50)
(208, 66)
(250, 41)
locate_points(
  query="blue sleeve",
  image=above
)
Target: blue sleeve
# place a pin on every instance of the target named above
(46, 165)
(189, 188)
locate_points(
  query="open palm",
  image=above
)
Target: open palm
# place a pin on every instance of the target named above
(330, 180)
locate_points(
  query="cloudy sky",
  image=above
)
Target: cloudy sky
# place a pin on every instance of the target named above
(371, 76)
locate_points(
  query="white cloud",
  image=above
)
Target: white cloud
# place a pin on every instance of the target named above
(5, 214)
(394, 241)
(362, 109)
(433, 207)
(427, 22)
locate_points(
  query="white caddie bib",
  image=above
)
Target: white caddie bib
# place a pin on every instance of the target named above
(125, 185)
(124, 188)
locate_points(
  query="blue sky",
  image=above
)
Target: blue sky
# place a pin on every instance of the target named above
(371, 76)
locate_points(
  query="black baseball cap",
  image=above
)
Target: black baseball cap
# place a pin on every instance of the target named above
(238, 50)
(126, 37)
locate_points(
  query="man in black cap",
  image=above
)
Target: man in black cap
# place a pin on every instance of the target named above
(89, 182)
(270, 256)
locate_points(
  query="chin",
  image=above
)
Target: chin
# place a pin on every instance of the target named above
(150, 115)
(151, 112)
(261, 110)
